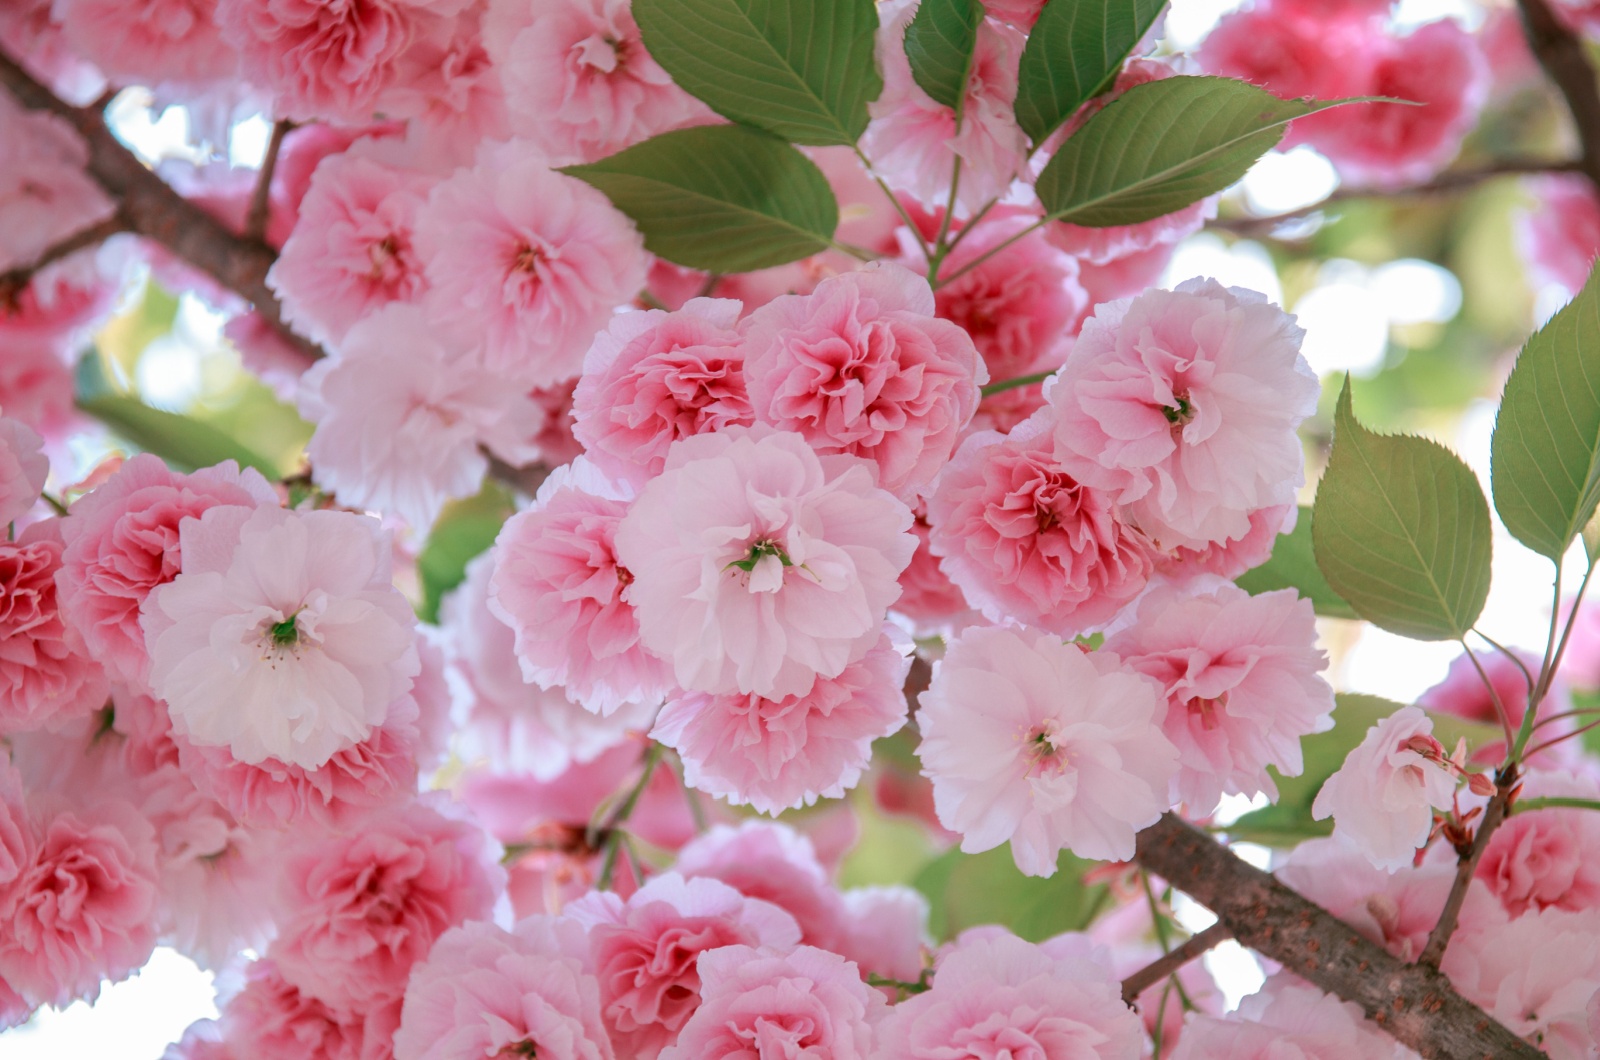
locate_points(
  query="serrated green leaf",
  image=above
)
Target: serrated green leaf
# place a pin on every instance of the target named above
(1401, 531)
(1160, 146)
(183, 442)
(1545, 455)
(965, 890)
(802, 69)
(464, 529)
(1288, 821)
(1294, 566)
(1073, 54)
(940, 43)
(722, 198)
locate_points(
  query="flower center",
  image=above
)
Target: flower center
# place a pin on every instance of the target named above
(285, 634)
(526, 259)
(528, 1049)
(1043, 753)
(759, 551)
(1179, 415)
(1206, 710)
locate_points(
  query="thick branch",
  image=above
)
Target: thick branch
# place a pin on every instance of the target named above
(1466, 865)
(1416, 1005)
(1169, 962)
(1565, 62)
(153, 209)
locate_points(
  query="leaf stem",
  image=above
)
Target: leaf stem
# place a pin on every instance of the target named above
(611, 835)
(1554, 803)
(899, 208)
(986, 255)
(1012, 384)
(1494, 697)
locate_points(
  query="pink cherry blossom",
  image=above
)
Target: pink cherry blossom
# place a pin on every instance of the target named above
(122, 542)
(513, 726)
(654, 377)
(1242, 677)
(351, 252)
(1001, 996)
(1020, 13)
(782, 754)
(527, 261)
(282, 637)
(914, 142)
(81, 908)
(488, 992)
(1546, 858)
(1183, 404)
(269, 1019)
(1287, 1017)
(36, 388)
(45, 195)
(47, 676)
(1024, 539)
(1464, 694)
(401, 418)
(645, 951)
(759, 566)
(561, 586)
(360, 909)
(167, 42)
(1032, 740)
(580, 84)
(23, 469)
(927, 595)
(1536, 974)
(861, 366)
(1559, 236)
(807, 1003)
(555, 442)
(1383, 797)
(1231, 558)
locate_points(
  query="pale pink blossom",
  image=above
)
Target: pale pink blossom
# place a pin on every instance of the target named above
(1183, 405)
(450, 88)
(1287, 1017)
(401, 418)
(885, 931)
(23, 469)
(36, 388)
(45, 194)
(512, 726)
(653, 377)
(645, 951)
(561, 586)
(1020, 13)
(759, 566)
(927, 595)
(914, 142)
(555, 442)
(808, 1004)
(29, 33)
(1559, 236)
(780, 754)
(1546, 858)
(1242, 677)
(1231, 558)
(82, 907)
(269, 1019)
(1536, 974)
(527, 261)
(161, 43)
(486, 992)
(862, 366)
(580, 84)
(1383, 797)
(1026, 540)
(1000, 996)
(122, 542)
(268, 354)
(359, 910)
(1397, 911)
(379, 771)
(282, 637)
(48, 679)
(351, 251)
(1035, 741)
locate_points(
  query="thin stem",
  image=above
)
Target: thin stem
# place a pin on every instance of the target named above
(712, 279)
(696, 811)
(1536, 748)
(255, 221)
(899, 207)
(612, 835)
(1554, 803)
(986, 255)
(1012, 384)
(972, 222)
(1439, 937)
(859, 253)
(1494, 697)
(15, 281)
(55, 503)
(940, 248)
(1175, 958)
(1577, 712)
(1158, 921)
(651, 301)
(1516, 660)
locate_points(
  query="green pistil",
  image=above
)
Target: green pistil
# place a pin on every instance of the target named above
(759, 551)
(1182, 414)
(286, 634)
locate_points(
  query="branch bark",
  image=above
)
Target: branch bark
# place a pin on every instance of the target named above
(13, 282)
(1561, 54)
(1416, 1005)
(1169, 962)
(1466, 865)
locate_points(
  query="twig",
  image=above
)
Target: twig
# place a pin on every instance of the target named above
(1012, 384)
(1415, 1004)
(1169, 962)
(610, 837)
(14, 282)
(1554, 803)
(1565, 62)
(1439, 938)
(1457, 180)
(255, 221)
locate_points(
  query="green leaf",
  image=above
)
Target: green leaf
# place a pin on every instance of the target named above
(964, 890)
(184, 443)
(1545, 456)
(1160, 146)
(1294, 566)
(1073, 54)
(940, 42)
(722, 198)
(1401, 531)
(803, 69)
(464, 529)
(1288, 821)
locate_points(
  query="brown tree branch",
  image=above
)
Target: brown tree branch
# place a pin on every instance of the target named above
(1466, 865)
(255, 220)
(1169, 962)
(1416, 1005)
(1565, 62)
(13, 283)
